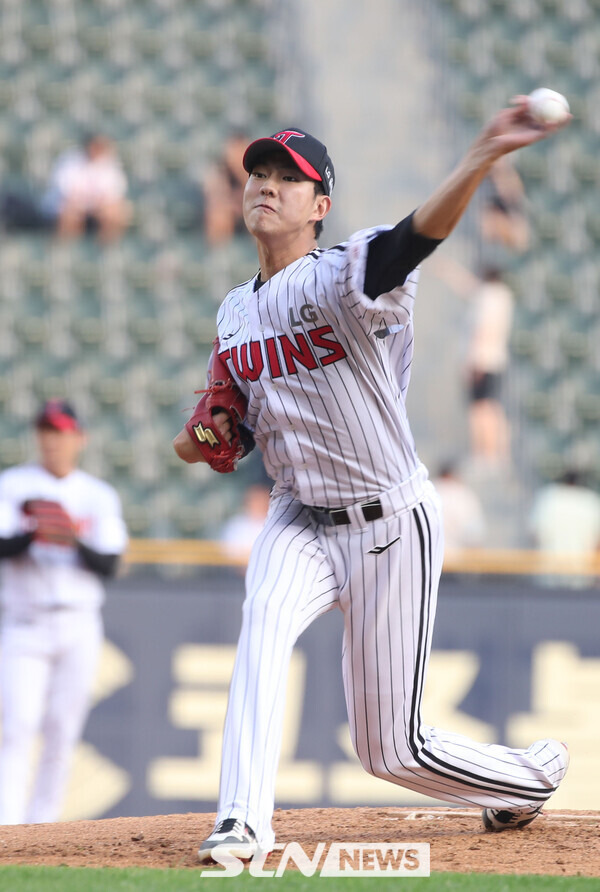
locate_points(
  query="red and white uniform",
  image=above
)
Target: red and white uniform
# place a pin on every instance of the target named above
(326, 367)
(51, 633)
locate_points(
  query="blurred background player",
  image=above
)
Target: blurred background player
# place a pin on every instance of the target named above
(61, 533)
(462, 511)
(565, 522)
(241, 530)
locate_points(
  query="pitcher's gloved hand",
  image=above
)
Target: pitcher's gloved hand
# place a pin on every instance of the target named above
(216, 427)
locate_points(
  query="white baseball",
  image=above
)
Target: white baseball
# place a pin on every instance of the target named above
(548, 106)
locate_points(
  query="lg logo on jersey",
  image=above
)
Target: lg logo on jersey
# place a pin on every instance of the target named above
(307, 314)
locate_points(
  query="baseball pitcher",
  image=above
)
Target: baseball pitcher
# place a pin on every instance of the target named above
(312, 362)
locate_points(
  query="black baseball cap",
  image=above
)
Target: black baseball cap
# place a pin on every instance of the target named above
(58, 414)
(307, 152)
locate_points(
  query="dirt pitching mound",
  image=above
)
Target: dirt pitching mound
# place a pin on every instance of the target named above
(559, 843)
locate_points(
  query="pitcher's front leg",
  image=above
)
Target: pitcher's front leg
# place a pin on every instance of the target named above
(288, 585)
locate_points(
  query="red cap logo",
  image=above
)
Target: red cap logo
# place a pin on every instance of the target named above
(286, 135)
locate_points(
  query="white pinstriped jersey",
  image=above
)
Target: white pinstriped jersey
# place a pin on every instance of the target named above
(326, 370)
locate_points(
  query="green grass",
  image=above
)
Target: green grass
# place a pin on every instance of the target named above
(109, 879)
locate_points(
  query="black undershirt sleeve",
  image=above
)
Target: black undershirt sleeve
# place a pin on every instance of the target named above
(15, 545)
(393, 254)
(102, 564)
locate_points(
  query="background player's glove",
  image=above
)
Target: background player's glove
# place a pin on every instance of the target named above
(221, 450)
(49, 522)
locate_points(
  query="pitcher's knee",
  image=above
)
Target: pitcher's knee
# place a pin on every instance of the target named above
(61, 736)
(395, 766)
(398, 772)
(261, 614)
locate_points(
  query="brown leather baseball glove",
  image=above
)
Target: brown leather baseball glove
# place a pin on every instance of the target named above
(221, 445)
(50, 522)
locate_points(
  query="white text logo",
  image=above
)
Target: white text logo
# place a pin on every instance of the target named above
(342, 859)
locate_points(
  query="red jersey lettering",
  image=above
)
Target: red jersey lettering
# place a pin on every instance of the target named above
(248, 371)
(272, 358)
(299, 352)
(334, 348)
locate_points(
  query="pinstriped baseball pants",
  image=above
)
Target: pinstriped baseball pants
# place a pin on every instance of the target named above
(299, 570)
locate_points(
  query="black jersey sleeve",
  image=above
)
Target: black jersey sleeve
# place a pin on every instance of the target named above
(103, 564)
(393, 254)
(15, 545)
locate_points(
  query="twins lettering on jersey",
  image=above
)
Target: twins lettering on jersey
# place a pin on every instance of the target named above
(311, 349)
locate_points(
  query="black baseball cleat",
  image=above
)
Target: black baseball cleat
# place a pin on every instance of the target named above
(549, 751)
(497, 819)
(233, 837)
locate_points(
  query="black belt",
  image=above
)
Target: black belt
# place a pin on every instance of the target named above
(335, 517)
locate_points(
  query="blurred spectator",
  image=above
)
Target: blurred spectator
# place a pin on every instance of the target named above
(487, 360)
(464, 520)
(487, 355)
(87, 192)
(241, 530)
(503, 218)
(223, 189)
(565, 520)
